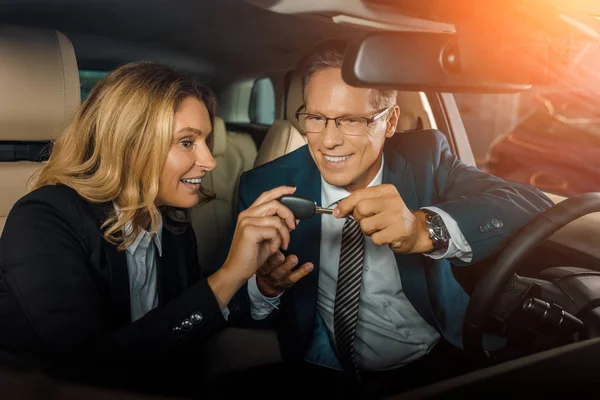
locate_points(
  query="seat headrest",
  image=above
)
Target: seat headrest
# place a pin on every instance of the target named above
(39, 83)
(406, 123)
(294, 99)
(219, 137)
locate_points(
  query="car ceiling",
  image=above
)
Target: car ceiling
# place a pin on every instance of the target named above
(218, 39)
(215, 38)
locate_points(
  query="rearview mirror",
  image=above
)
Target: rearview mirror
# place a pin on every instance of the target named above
(415, 61)
(498, 47)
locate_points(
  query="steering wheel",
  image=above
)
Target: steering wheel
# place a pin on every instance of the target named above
(520, 246)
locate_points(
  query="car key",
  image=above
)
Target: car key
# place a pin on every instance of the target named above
(303, 207)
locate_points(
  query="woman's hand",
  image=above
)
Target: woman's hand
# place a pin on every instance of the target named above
(261, 230)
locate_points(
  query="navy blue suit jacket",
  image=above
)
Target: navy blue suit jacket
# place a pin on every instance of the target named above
(425, 172)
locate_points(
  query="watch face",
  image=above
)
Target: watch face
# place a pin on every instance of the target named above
(441, 232)
(439, 228)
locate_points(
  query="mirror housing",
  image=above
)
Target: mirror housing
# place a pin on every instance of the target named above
(415, 61)
(497, 47)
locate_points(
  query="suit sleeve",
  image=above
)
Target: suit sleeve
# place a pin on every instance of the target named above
(241, 304)
(488, 209)
(44, 260)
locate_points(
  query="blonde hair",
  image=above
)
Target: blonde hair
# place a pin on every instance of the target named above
(115, 146)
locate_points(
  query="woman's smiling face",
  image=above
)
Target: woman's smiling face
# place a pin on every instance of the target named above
(189, 157)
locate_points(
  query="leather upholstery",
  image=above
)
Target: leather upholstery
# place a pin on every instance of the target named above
(285, 135)
(294, 99)
(282, 138)
(219, 138)
(39, 84)
(235, 153)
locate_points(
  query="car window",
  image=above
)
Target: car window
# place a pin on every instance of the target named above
(547, 137)
(262, 102)
(247, 101)
(87, 80)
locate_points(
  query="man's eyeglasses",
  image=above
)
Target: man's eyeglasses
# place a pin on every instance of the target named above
(347, 124)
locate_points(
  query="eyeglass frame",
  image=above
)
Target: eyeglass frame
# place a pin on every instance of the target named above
(327, 119)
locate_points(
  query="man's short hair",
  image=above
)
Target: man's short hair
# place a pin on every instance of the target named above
(331, 55)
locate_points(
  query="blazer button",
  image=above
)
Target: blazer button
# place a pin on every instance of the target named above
(484, 228)
(196, 317)
(187, 325)
(177, 332)
(496, 223)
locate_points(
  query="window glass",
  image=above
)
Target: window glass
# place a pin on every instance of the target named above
(87, 80)
(547, 137)
(262, 102)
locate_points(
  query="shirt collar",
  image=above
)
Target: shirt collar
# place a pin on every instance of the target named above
(156, 237)
(331, 195)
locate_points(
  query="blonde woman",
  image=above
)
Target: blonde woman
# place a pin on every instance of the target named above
(98, 263)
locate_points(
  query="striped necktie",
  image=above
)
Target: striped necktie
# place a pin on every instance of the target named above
(345, 313)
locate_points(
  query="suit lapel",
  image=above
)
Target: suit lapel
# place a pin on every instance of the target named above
(171, 266)
(399, 173)
(306, 239)
(171, 274)
(117, 273)
(411, 266)
(306, 244)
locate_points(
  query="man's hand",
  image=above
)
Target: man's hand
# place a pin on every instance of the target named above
(383, 215)
(276, 274)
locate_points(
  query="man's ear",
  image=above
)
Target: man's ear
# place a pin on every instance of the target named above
(392, 121)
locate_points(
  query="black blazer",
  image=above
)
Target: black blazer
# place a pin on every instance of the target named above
(64, 290)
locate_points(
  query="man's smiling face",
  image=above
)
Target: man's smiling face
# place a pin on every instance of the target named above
(347, 161)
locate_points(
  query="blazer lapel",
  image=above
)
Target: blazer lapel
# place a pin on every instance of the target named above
(411, 266)
(306, 244)
(172, 274)
(116, 272)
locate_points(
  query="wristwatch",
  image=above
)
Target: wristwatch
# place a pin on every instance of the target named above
(437, 230)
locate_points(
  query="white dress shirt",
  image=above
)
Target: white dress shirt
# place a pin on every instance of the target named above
(390, 332)
(141, 266)
(143, 272)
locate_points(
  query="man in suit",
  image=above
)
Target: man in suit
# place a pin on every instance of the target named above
(370, 289)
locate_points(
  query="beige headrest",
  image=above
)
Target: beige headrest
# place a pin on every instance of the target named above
(406, 123)
(294, 99)
(39, 83)
(219, 137)
(282, 138)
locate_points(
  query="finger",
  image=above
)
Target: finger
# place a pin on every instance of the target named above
(383, 237)
(273, 194)
(298, 274)
(370, 225)
(273, 207)
(260, 234)
(346, 206)
(368, 207)
(274, 261)
(284, 269)
(270, 222)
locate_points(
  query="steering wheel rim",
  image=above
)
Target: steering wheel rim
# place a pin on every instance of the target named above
(520, 246)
